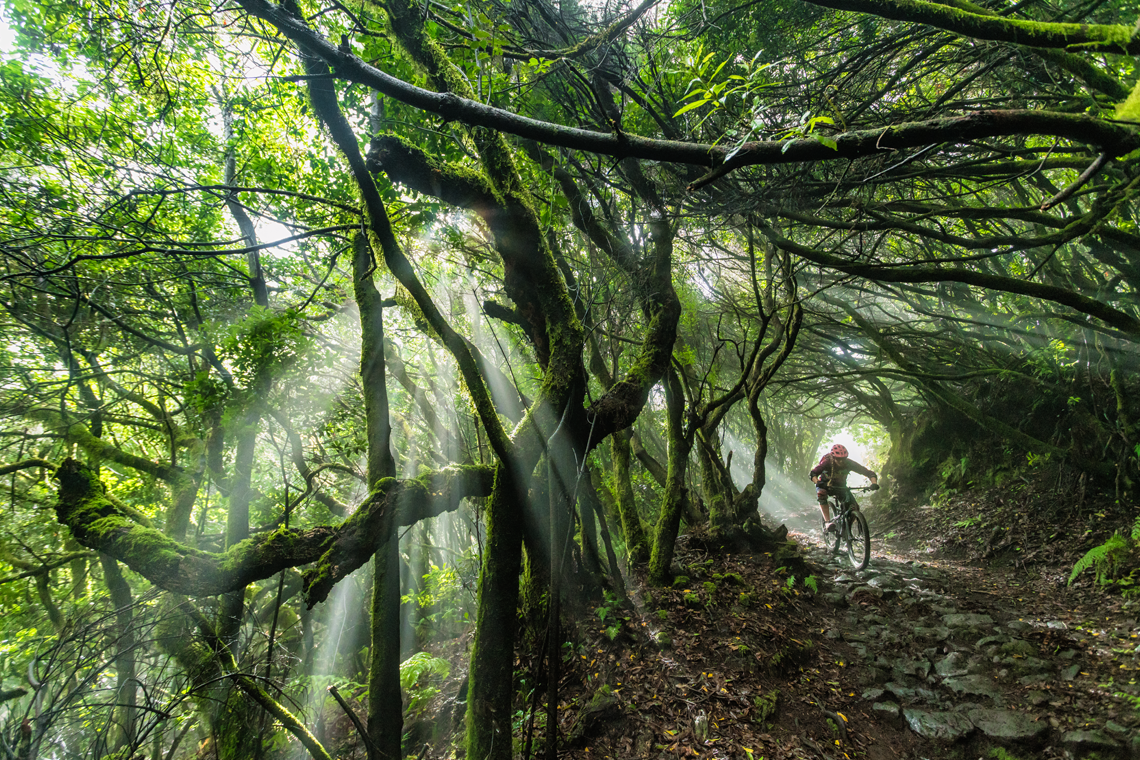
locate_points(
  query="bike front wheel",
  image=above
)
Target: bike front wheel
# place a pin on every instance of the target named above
(858, 540)
(831, 540)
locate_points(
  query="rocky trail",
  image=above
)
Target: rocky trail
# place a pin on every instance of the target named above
(969, 656)
(944, 647)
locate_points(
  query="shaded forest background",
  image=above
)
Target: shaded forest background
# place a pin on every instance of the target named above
(332, 332)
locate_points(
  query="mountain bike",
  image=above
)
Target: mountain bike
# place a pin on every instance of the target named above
(850, 527)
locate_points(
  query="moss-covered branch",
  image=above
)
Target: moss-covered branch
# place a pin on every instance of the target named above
(623, 401)
(98, 524)
(1113, 138)
(78, 434)
(26, 464)
(1093, 38)
(518, 240)
(1070, 229)
(324, 101)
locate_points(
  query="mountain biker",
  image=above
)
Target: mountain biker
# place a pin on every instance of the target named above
(831, 473)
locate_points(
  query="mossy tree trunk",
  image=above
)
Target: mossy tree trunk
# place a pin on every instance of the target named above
(759, 457)
(676, 493)
(126, 694)
(385, 708)
(231, 610)
(636, 543)
(717, 487)
(491, 676)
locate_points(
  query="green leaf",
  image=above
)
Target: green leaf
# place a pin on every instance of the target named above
(691, 106)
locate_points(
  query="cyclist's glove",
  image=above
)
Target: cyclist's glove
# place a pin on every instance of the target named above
(874, 486)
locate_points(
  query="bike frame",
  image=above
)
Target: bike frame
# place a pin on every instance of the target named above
(843, 502)
(845, 512)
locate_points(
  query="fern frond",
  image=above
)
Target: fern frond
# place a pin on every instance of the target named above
(1099, 557)
(419, 664)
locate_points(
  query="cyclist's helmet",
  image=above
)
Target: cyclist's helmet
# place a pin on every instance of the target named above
(839, 451)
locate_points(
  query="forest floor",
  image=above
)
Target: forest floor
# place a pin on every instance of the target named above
(960, 639)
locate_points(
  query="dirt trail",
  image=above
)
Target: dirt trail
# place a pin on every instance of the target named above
(963, 655)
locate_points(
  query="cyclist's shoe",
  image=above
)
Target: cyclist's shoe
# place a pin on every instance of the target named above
(830, 527)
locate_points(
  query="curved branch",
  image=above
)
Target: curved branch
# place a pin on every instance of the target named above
(878, 273)
(1089, 38)
(98, 524)
(27, 464)
(604, 37)
(1115, 139)
(78, 434)
(323, 96)
(1070, 229)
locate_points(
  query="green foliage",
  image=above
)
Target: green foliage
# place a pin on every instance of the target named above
(998, 753)
(418, 675)
(765, 706)
(733, 578)
(811, 583)
(954, 471)
(747, 82)
(262, 342)
(444, 602)
(1130, 697)
(608, 610)
(609, 606)
(1111, 558)
(1129, 110)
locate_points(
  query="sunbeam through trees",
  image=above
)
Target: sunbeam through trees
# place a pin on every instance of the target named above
(511, 301)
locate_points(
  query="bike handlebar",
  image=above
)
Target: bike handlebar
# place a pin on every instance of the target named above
(850, 488)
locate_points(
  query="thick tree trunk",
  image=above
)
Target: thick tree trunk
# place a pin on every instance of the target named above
(385, 708)
(676, 494)
(716, 488)
(759, 459)
(636, 544)
(491, 684)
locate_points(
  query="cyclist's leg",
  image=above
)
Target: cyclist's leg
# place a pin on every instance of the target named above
(821, 497)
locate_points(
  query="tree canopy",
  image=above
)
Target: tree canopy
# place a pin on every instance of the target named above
(289, 288)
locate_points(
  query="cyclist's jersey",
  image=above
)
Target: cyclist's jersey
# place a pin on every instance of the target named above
(832, 471)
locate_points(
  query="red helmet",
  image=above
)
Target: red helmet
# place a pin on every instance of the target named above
(839, 451)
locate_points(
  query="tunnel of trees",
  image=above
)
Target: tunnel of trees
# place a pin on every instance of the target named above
(493, 300)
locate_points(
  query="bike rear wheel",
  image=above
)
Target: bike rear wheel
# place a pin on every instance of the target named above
(858, 540)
